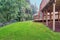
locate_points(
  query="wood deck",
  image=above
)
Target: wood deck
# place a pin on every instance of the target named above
(50, 24)
(49, 14)
(40, 20)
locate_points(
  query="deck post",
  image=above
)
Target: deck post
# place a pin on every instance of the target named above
(43, 17)
(54, 15)
(46, 18)
(50, 16)
(58, 15)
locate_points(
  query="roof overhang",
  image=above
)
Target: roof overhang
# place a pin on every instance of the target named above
(48, 5)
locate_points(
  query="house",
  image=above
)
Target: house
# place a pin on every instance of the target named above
(49, 14)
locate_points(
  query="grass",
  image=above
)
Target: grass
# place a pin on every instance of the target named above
(27, 31)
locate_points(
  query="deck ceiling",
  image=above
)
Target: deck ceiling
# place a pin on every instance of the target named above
(49, 6)
(58, 4)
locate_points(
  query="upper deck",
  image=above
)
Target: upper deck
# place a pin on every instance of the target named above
(48, 4)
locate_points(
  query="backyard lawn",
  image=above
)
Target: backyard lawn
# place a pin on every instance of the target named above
(27, 31)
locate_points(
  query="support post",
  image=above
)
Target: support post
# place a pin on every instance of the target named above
(43, 17)
(58, 15)
(54, 16)
(46, 18)
(50, 16)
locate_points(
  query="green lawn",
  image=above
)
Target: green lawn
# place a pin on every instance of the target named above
(27, 31)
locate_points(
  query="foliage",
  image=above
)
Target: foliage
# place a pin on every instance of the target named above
(15, 10)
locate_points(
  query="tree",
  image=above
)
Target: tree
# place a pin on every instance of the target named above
(19, 10)
(8, 9)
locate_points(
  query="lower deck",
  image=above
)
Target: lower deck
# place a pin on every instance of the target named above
(50, 24)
